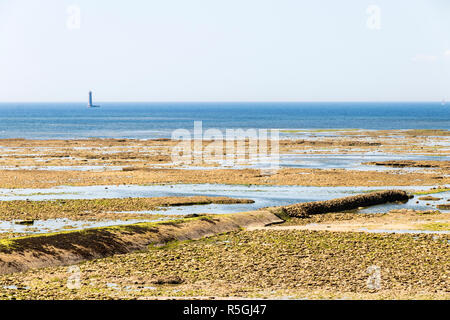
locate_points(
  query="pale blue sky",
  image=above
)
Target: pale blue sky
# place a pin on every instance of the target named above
(225, 50)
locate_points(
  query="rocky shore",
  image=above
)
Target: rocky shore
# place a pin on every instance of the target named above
(310, 250)
(283, 264)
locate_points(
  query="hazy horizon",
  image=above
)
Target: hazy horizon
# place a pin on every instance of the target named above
(226, 102)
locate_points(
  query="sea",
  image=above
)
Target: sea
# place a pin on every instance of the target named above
(150, 120)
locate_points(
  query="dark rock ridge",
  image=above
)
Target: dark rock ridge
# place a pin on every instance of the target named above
(411, 163)
(347, 203)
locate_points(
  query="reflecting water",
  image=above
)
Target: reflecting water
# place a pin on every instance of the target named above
(264, 196)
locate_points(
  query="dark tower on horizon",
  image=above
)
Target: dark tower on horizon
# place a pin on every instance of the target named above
(90, 105)
(90, 99)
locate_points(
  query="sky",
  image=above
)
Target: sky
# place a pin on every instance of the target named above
(224, 50)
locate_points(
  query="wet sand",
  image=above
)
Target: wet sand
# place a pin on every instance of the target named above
(395, 221)
(300, 177)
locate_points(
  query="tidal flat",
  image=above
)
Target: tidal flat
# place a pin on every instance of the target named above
(80, 188)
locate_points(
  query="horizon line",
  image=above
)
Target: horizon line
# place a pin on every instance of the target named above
(234, 101)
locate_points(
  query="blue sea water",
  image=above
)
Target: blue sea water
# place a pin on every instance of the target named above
(158, 120)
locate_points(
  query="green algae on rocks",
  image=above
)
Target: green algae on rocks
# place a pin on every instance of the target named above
(257, 264)
(23, 253)
(97, 209)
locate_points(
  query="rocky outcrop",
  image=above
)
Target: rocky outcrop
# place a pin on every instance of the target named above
(347, 203)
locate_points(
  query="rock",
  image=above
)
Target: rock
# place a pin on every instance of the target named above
(429, 198)
(168, 280)
(25, 222)
(348, 203)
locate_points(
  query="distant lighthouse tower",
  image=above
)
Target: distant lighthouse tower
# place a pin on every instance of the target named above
(90, 105)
